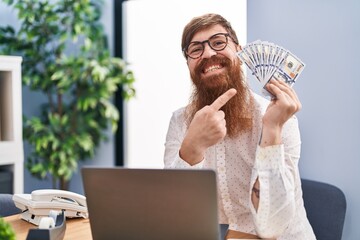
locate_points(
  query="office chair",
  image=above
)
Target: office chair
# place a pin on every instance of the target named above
(7, 206)
(325, 206)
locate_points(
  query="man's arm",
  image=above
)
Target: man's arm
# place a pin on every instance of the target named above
(272, 192)
(284, 105)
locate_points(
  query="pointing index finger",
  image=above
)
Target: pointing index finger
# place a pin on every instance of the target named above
(223, 99)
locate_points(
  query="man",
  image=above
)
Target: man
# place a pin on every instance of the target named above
(253, 144)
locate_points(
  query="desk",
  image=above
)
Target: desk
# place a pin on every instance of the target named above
(76, 228)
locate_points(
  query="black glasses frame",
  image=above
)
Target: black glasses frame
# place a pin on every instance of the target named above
(208, 42)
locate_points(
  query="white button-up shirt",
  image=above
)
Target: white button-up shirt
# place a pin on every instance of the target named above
(238, 163)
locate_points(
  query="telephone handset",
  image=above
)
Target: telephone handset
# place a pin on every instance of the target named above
(39, 203)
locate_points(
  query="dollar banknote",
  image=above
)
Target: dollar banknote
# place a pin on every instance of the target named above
(267, 60)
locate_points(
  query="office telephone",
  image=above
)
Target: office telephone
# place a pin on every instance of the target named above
(39, 203)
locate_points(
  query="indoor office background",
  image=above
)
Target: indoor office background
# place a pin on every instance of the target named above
(325, 34)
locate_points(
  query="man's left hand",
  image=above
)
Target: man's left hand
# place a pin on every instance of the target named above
(281, 108)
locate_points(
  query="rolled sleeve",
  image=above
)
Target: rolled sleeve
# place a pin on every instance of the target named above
(270, 157)
(178, 162)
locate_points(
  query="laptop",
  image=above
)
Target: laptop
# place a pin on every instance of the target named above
(147, 204)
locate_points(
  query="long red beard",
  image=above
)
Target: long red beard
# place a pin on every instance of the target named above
(238, 110)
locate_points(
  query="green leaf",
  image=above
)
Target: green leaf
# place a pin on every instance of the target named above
(36, 124)
(58, 75)
(85, 141)
(87, 43)
(64, 120)
(6, 230)
(39, 170)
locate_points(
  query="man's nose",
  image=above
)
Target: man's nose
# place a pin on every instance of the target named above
(208, 51)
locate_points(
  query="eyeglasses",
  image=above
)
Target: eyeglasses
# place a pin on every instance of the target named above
(217, 42)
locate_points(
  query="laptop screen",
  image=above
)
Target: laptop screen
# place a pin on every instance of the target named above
(157, 204)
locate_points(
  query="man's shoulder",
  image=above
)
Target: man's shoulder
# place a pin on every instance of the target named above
(179, 113)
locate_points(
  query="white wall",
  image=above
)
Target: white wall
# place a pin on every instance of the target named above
(153, 48)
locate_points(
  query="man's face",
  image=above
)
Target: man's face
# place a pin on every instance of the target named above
(211, 68)
(213, 74)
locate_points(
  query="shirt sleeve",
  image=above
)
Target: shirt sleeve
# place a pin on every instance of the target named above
(276, 167)
(174, 137)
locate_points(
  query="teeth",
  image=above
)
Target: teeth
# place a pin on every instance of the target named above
(212, 68)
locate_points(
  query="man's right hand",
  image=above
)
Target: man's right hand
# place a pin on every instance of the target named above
(207, 128)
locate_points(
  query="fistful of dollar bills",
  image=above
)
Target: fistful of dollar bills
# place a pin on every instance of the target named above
(267, 60)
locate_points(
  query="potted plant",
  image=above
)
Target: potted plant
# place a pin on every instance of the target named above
(6, 231)
(65, 56)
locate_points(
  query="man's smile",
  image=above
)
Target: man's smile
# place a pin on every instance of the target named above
(212, 68)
